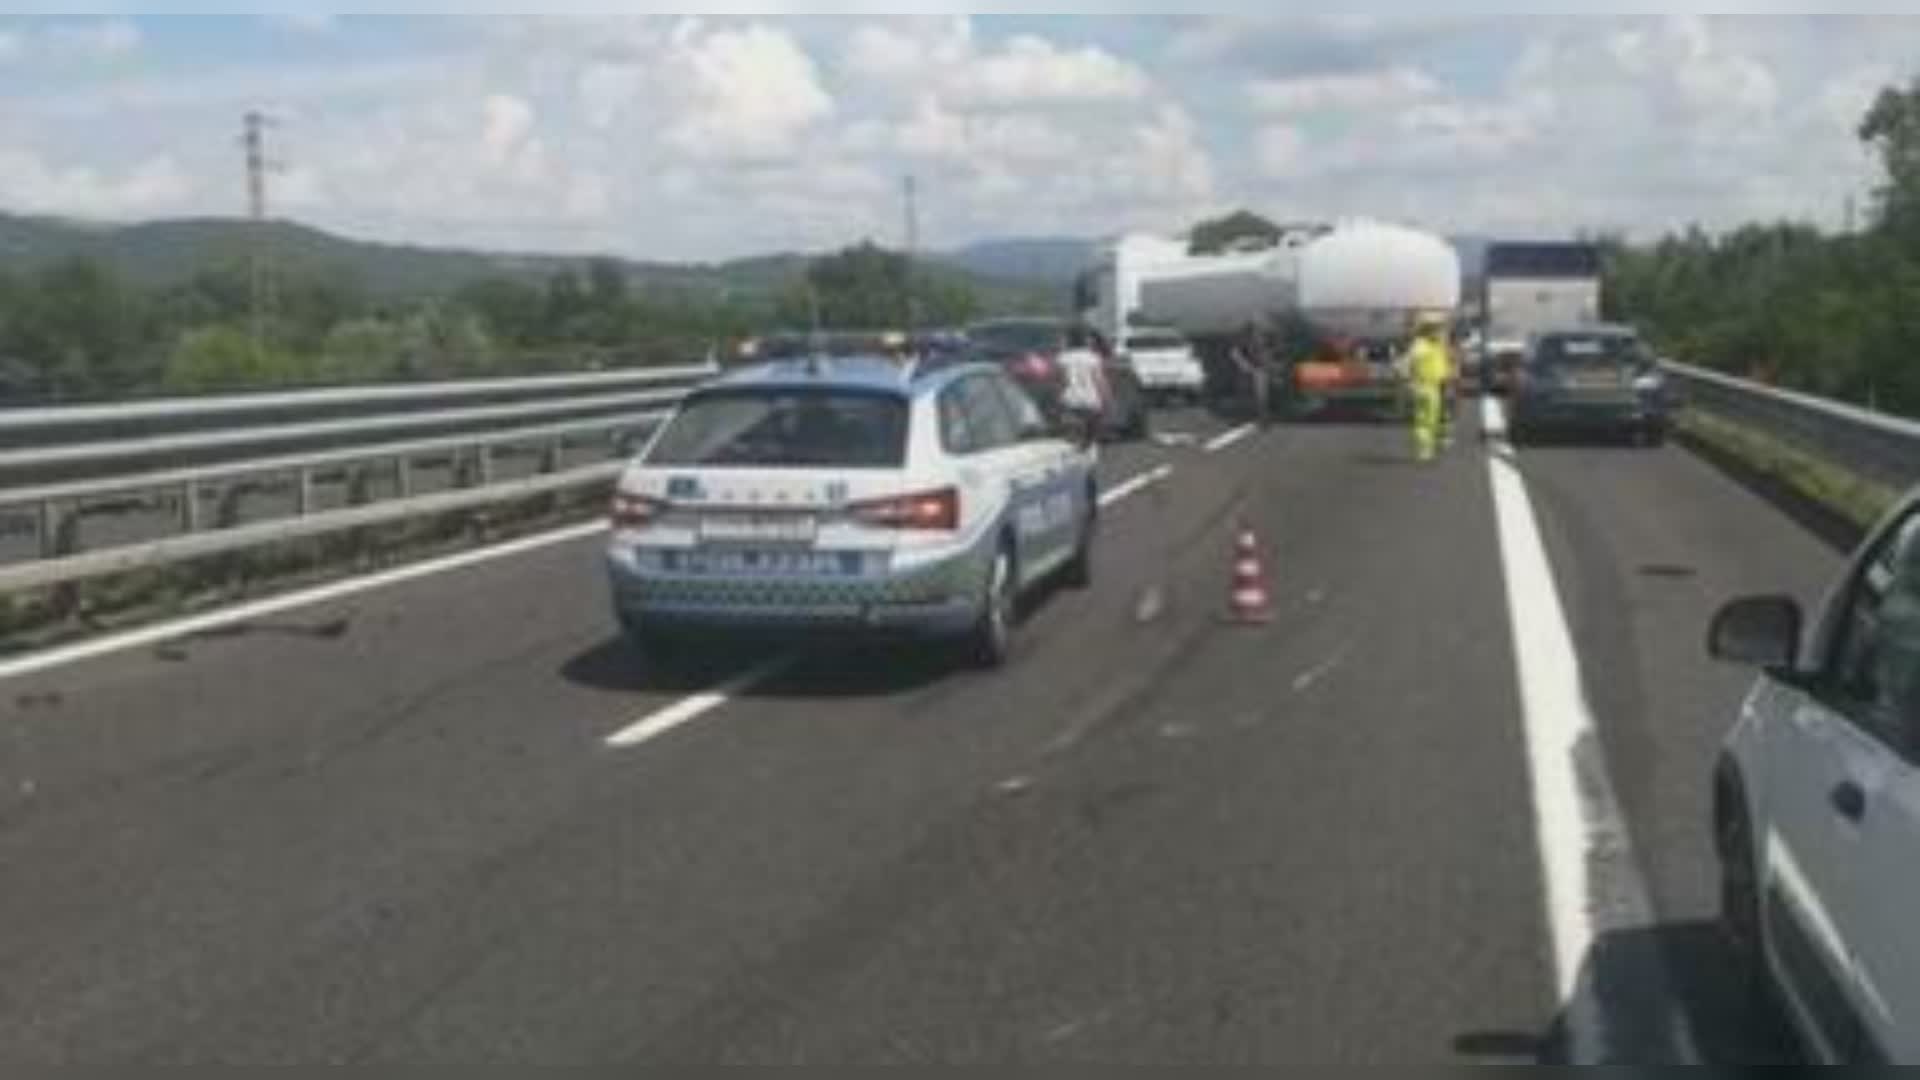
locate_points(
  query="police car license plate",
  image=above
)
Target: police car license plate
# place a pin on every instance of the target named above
(760, 529)
(770, 564)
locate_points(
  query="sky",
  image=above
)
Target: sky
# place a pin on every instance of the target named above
(705, 137)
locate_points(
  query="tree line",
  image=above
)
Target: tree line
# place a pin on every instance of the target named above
(1832, 314)
(76, 330)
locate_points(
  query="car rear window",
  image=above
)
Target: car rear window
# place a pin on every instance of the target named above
(797, 429)
(1019, 337)
(1156, 342)
(1588, 351)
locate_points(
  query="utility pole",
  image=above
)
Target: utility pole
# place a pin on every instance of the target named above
(260, 290)
(912, 188)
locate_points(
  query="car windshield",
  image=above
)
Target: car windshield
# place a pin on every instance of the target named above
(786, 429)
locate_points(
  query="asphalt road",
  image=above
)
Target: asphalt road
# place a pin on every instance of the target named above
(392, 829)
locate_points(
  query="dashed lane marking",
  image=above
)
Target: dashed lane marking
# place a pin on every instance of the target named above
(1230, 438)
(1128, 489)
(687, 710)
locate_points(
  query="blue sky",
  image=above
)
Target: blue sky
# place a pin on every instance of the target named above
(689, 137)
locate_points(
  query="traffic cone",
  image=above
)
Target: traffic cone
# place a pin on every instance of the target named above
(1250, 603)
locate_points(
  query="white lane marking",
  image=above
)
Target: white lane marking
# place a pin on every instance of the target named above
(687, 710)
(276, 605)
(1135, 486)
(1175, 439)
(1593, 883)
(1310, 678)
(1230, 438)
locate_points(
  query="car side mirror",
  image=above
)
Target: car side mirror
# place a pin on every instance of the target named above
(1759, 631)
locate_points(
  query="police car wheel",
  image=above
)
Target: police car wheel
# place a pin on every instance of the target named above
(991, 643)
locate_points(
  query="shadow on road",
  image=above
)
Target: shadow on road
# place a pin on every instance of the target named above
(821, 670)
(619, 666)
(1658, 991)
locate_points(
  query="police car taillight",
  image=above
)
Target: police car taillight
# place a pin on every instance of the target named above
(933, 511)
(634, 511)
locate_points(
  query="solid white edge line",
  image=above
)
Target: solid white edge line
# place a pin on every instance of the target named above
(687, 710)
(35, 663)
(1128, 489)
(1592, 877)
(1230, 438)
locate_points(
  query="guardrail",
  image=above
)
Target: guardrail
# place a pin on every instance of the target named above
(222, 475)
(1885, 449)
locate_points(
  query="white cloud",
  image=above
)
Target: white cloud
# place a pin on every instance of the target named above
(35, 185)
(1033, 71)
(1281, 151)
(109, 39)
(10, 47)
(749, 94)
(607, 91)
(305, 22)
(1361, 90)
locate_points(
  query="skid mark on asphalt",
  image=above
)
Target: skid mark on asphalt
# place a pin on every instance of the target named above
(1593, 883)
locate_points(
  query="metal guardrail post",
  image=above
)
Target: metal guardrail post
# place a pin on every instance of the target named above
(554, 456)
(359, 486)
(402, 476)
(303, 492)
(483, 466)
(51, 527)
(189, 507)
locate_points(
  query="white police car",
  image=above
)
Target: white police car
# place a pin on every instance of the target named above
(852, 494)
(1817, 804)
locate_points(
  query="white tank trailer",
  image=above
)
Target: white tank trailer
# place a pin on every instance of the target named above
(1364, 282)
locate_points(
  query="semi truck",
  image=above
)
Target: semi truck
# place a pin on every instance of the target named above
(1529, 289)
(1341, 298)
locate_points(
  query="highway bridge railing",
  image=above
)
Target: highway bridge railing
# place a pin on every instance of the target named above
(99, 491)
(1882, 449)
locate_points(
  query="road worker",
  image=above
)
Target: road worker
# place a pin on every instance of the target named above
(1429, 374)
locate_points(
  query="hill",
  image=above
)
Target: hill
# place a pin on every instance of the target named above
(161, 253)
(1054, 261)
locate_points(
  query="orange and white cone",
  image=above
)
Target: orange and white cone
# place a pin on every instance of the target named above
(1250, 603)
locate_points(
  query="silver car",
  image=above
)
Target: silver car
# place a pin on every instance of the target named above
(851, 494)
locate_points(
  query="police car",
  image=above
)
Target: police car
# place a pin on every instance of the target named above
(1817, 804)
(851, 494)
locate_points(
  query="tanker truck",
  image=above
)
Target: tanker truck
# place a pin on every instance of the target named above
(1343, 299)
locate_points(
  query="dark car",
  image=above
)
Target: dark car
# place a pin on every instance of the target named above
(1598, 380)
(1027, 349)
(1030, 350)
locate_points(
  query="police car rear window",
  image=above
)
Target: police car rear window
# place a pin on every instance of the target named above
(783, 428)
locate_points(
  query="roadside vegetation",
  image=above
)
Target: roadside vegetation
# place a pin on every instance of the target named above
(77, 330)
(1836, 315)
